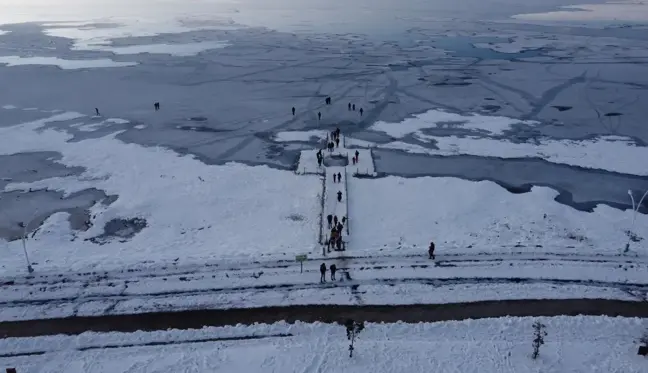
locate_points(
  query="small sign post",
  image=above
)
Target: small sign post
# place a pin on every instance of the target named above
(301, 259)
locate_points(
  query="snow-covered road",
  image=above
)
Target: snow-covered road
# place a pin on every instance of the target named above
(380, 280)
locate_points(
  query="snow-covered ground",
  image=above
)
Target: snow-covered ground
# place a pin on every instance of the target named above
(611, 153)
(572, 345)
(466, 216)
(193, 211)
(63, 63)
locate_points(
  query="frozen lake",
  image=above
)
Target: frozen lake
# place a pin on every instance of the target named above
(227, 73)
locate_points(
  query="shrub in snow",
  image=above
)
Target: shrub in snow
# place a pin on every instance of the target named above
(352, 330)
(539, 333)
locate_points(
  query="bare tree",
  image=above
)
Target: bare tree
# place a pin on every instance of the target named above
(539, 333)
(353, 328)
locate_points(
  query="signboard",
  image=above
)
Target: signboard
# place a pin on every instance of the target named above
(301, 259)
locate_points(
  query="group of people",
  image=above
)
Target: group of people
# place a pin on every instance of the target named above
(336, 226)
(333, 268)
(354, 160)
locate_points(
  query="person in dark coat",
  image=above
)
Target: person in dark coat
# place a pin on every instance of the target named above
(340, 227)
(333, 269)
(431, 250)
(361, 111)
(337, 142)
(156, 106)
(293, 110)
(97, 111)
(349, 106)
(353, 107)
(357, 154)
(329, 219)
(339, 177)
(335, 221)
(344, 220)
(319, 115)
(338, 243)
(323, 273)
(319, 161)
(339, 196)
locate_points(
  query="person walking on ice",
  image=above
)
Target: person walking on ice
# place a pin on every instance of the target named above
(339, 175)
(319, 115)
(361, 111)
(339, 196)
(293, 110)
(333, 269)
(97, 111)
(329, 219)
(431, 250)
(337, 142)
(334, 178)
(323, 273)
(156, 106)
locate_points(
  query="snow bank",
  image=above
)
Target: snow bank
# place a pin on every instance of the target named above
(193, 211)
(574, 344)
(468, 216)
(62, 63)
(441, 119)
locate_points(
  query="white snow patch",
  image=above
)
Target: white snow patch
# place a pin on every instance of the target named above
(574, 344)
(611, 153)
(439, 119)
(117, 121)
(193, 211)
(3, 32)
(466, 216)
(614, 11)
(288, 136)
(179, 50)
(62, 63)
(9, 107)
(140, 127)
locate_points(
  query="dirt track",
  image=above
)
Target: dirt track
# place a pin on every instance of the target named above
(196, 319)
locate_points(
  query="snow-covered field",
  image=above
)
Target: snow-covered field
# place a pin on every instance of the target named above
(572, 345)
(466, 216)
(611, 153)
(193, 211)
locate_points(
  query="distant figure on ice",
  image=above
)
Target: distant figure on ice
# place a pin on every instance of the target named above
(319, 161)
(431, 250)
(349, 106)
(331, 145)
(339, 175)
(357, 154)
(329, 219)
(156, 106)
(334, 177)
(335, 221)
(293, 110)
(319, 115)
(361, 111)
(337, 142)
(323, 273)
(97, 111)
(328, 100)
(339, 196)
(344, 220)
(353, 107)
(333, 269)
